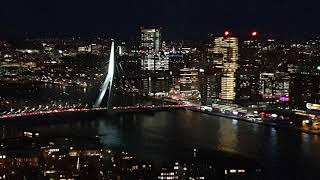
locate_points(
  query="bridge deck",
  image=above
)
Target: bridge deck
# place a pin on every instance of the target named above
(76, 110)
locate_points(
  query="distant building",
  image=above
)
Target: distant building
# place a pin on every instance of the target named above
(154, 84)
(281, 86)
(305, 88)
(209, 85)
(210, 77)
(189, 79)
(131, 68)
(187, 86)
(96, 49)
(155, 62)
(84, 49)
(121, 49)
(266, 85)
(274, 85)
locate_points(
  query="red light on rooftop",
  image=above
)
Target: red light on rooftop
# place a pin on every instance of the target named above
(226, 33)
(254, 33)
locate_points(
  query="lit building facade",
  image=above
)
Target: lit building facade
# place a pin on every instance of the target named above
(187, 86)
(228, 46)
(153, 57)
(154, 62)
(189, 79)
(281, 86)
(266, 85)
(274, 85)
(151, 40)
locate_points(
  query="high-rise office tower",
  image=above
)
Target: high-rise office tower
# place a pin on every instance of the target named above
(228, 46)
(151, 46)
(154, 62)
(151, 40)
(248, 73)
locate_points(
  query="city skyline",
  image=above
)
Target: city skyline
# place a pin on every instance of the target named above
(227, 93)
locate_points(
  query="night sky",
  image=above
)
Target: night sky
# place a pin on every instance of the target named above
(180, 19)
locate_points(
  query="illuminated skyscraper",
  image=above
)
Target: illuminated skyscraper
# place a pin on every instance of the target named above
(151, 40)
(154, 62)
(151, 47)
(228, 46)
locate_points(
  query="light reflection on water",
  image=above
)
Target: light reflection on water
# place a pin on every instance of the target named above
(110, 133)
(227, 134)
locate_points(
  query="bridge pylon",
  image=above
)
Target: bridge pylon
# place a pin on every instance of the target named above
(107, 85)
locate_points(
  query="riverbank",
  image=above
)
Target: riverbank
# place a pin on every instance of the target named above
(304, 130)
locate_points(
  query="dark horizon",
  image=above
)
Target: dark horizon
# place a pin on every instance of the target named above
(166, 35)
(180, 19)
